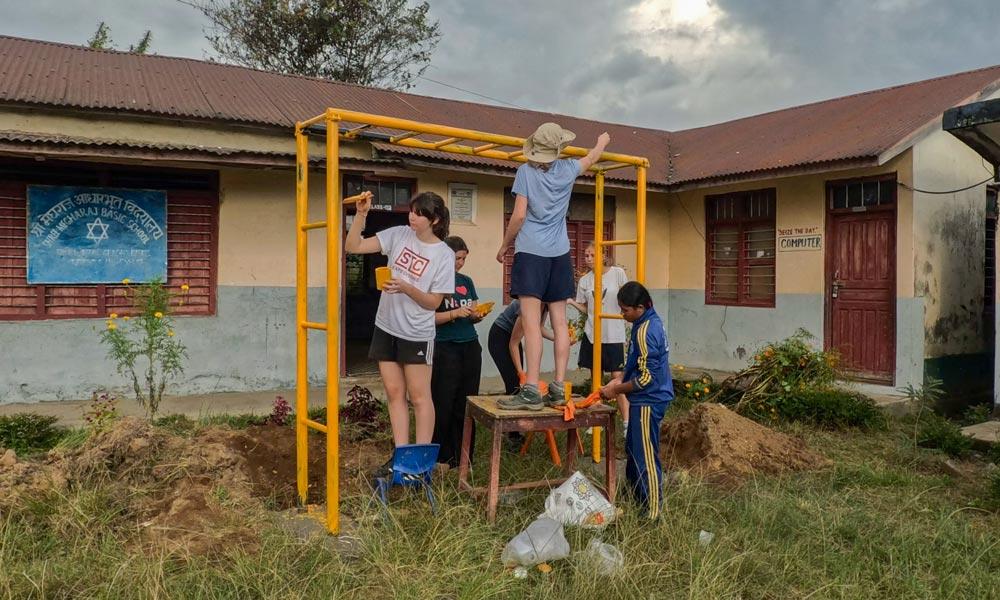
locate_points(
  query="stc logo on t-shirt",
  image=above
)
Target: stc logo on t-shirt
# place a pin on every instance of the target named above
(411, 262)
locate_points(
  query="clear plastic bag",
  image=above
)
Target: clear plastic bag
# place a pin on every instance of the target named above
(542, 541)
(605, 558)
(578, 502)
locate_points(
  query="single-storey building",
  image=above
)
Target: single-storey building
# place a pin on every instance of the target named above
(824, 217)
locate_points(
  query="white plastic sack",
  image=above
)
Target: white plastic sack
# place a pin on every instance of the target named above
(542, 541)
(578, 502)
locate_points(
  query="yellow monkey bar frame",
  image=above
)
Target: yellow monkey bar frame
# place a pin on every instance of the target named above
(350, 125)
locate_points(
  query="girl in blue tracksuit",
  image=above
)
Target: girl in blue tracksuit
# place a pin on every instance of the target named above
(649, 388)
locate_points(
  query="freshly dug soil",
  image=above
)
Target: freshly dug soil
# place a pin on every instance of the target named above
(722, 446)
(190, 495)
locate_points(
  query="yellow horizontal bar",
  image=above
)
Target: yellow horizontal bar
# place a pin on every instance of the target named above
(619, 243)
(413, 128)
(312, 121)
(353, 133)
(315, 425)
(614, 165)
(316, 225)
(446, 142)
(311, 325)
(515, 154)
(356, 197)
(485, 147)
(404, 136)
(607, 316)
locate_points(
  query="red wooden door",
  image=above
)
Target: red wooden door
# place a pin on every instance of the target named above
(861, 293)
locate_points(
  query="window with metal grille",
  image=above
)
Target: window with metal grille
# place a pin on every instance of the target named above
(192, 243)
(990, 263)
(740, 248)
(863, 194)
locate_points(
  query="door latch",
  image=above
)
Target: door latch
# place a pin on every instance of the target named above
(835, 292)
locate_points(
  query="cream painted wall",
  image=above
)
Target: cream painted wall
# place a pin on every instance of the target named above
(257, 232)
(949, 244)
(800, 204)
(152, 132)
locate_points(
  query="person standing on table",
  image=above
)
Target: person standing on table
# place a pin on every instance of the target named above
(542, 273)
(650, 389)
(612, 330)
(458, 359)
(423, 273)
(505, 346)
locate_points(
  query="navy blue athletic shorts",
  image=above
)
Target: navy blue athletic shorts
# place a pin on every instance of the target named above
(548, 278)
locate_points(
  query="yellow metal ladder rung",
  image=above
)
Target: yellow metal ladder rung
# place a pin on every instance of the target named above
(314, 425)
(311, 325)
(618, 242)
(613, 166)
(610, 316)
(515, 154)
(353, 133)
(316, 225)
(484, 148)
(404, 136)
(446, 142)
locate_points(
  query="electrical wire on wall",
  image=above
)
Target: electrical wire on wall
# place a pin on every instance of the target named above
(968, 187)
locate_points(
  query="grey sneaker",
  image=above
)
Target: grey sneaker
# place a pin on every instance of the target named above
(526, 398)
(556, 395)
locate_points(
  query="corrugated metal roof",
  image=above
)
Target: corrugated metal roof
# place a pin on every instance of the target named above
(853, 127)
(843, 129)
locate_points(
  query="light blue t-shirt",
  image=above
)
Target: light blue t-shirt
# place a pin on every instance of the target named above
(548, 193)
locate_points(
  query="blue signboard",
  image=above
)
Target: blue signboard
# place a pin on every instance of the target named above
(96, 235)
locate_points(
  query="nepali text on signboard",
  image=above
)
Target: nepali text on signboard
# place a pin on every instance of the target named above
(96, 235)
(794, 239)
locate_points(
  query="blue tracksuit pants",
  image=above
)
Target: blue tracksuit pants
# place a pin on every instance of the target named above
(642, 465)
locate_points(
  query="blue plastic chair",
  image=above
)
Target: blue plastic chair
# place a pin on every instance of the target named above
(412, 466)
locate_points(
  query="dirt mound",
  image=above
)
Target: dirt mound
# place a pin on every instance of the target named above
(189, 494)
(269, 452)
(720, 445)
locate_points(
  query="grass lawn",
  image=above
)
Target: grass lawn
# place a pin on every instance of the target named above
(884, 522)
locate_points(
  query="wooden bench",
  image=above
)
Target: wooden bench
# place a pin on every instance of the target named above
(484, 410)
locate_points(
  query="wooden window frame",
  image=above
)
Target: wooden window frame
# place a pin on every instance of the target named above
(743, 263)
(185, 188)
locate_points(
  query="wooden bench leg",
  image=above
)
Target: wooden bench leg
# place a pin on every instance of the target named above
(572, 443)
(493, 492)
(550, 437)
(465, 456)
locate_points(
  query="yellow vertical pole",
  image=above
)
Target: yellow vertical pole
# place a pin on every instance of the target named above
(334, 233)
(596, 367)
(640, 224)
(301, 313)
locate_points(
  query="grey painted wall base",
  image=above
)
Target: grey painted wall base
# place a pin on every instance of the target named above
(726, 337)
(250, 343)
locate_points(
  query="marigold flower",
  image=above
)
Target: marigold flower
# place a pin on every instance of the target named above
(158, 315)
(113, 316)
(126, 281)
(687, 385)
(170, 333)
(185, 287)
(125, 318)
(112, 326)
(707, 390)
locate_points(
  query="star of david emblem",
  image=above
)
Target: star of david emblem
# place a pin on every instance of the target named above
(97, 231)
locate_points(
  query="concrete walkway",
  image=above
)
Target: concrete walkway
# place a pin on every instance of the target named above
(985, 433)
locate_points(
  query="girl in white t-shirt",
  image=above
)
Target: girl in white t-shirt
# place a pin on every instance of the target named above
(423, 273)
(612, 330)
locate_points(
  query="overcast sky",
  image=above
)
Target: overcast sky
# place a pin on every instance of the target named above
(669, 64)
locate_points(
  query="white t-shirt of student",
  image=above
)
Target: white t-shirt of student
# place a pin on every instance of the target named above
(428, 267)
(612, 330)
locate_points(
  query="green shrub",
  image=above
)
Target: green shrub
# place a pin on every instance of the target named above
(935, 431)
(832, 408)
(780, 380)
(176, 423)
(993, 454)
(993, 489)
(28, 432)
(979, 413)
